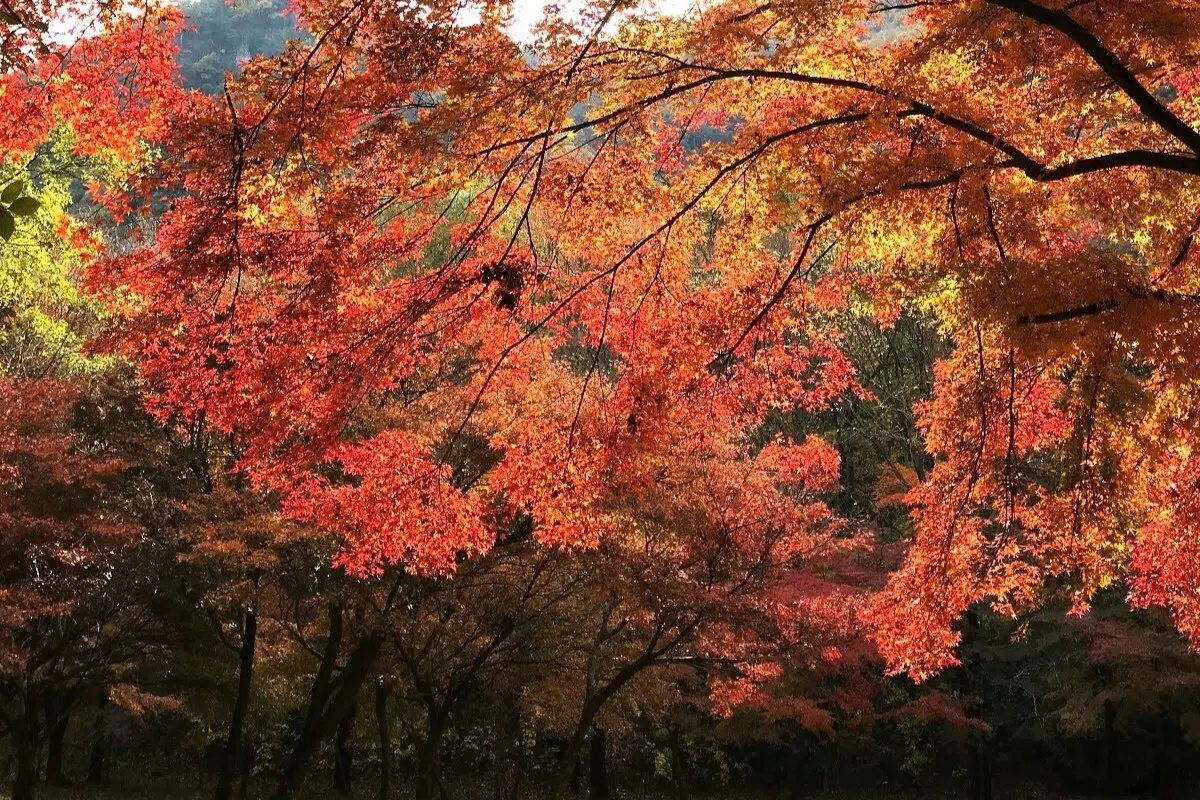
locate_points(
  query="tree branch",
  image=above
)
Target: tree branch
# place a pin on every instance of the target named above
(1104, 58)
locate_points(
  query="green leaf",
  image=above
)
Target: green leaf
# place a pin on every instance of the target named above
(10, 18)
(24, 206)
(8, 224)
(12, 191)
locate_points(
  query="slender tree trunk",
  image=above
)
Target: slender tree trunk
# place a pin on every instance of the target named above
(25, 747)
(54, 753)
(514, 790)
(845, 462)
(980, 768)
(429, 764)
(568, 766)
(96, 771)
(979, 765)
(235, 757)
(309, 739)
(573, 752)
(576, 781)
(1109, 771)
(592, 704)
(598, 766)
(384, 727)
(58, 716)
(343, 752)
(26, 777)
(829, 770)
(985, 771)
(678, 782)
(299, 760)
(328, 705)
(506, 771)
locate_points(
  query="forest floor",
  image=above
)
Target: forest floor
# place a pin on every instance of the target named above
(368, 792)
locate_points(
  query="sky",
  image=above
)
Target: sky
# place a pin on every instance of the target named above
(526, 13)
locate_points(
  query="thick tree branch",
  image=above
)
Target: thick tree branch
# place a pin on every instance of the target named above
(1121, 75)
(1089, 310)
(1173, 162)
(1018, 158)
(1099, 307)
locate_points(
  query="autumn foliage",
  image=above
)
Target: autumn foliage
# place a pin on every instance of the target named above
(433, 293)
(442, 232)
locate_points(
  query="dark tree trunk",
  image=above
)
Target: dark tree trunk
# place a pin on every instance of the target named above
(235, 756)
(569, 767)
(383, 726)
(576, 782)
(595, 701)
(309, 739)
(26, 777)
(99, 743)
(58, 715)
(54, 753)
(96, 771)
(507, 767)
(25, 746)
(845, 462)
(678, 782)
(518, 771)
(598, 765)
(329, 702)
(343, 752)
(1109, 770)
(980, 768)
(429, 760)
(829, 769)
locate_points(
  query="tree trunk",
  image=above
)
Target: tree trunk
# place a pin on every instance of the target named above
(327, 706)
(26, 777)
(829, 769)
(845, 462)
(598, 765)
(343, 752)
(383, 725)
(576, 782)
(24, 738)
(573, 752)
(678, 782)
(234, 756)
(1109, 770)
(979, 765)
(980, 768)
(95, 774)
(506, 768)
(429, 763)
(595, 701)
(58, 715)
(569, 762)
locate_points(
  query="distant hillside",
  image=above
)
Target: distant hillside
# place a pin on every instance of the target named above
(221, 35)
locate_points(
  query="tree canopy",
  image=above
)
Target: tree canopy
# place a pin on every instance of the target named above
(689, 316)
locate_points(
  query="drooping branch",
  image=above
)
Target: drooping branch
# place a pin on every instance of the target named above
(1017, 158)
